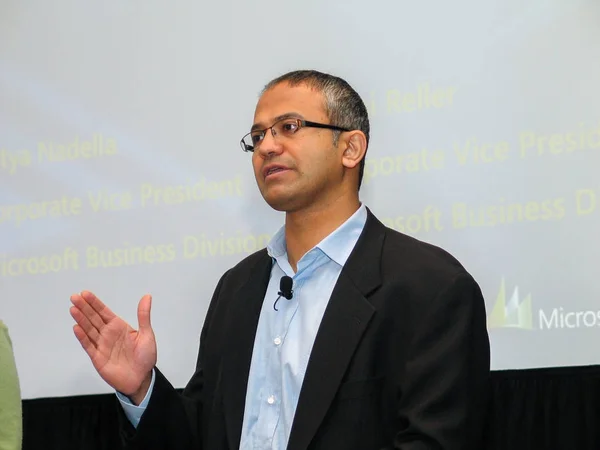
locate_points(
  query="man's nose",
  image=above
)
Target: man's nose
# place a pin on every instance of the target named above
(269, 145)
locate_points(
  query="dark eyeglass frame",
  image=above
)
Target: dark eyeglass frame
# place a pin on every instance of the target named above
(301, 124)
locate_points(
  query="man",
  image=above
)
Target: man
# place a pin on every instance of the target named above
(383, 343)
(11, 421)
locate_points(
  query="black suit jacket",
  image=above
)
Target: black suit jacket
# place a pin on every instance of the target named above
(401, 358)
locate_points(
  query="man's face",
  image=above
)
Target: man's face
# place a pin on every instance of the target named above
(309, 169)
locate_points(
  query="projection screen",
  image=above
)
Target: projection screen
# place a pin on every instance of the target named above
(121, 171)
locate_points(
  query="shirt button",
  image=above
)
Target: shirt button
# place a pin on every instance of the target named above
(271, 400)
(277, 341)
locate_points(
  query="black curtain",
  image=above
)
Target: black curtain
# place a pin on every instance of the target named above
(538, 409)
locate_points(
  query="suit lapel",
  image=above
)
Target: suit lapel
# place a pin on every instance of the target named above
(346, 318)
(245, 309)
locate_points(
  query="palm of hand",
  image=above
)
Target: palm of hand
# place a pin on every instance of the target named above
(124, 356)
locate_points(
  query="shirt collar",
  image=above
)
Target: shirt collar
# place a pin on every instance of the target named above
(337, 246)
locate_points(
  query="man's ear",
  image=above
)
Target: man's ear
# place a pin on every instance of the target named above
(356, 147)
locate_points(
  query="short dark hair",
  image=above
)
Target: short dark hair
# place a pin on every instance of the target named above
(343, 105)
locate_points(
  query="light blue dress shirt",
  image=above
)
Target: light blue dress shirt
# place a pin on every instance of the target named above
(284, 338)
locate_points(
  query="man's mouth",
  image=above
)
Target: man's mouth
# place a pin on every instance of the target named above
(270, 170)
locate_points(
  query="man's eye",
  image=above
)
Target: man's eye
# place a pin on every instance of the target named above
(256, 138)
(290, 127)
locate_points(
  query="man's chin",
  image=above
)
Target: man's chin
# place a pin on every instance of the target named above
(278, 204)
(279, 201)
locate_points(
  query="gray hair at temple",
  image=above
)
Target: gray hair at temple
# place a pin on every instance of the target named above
(343, 105)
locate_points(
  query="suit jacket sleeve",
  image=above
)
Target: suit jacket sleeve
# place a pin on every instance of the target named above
(172, 420)
(444, 393)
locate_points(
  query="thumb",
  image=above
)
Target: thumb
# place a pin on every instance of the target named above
(143, 313)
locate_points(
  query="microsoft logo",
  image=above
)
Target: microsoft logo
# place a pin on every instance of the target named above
(514, 313)
(518, 313)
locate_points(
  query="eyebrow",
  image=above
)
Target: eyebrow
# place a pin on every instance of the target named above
(289, 115)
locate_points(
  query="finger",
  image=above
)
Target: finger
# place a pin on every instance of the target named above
(86, 308)
(144, 313)
(86, 326)
(85, 342)
(104, 311)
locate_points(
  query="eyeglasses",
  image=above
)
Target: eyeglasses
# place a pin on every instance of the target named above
(284, 127)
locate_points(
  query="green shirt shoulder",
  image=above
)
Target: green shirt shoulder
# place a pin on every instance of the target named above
(11, 430)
